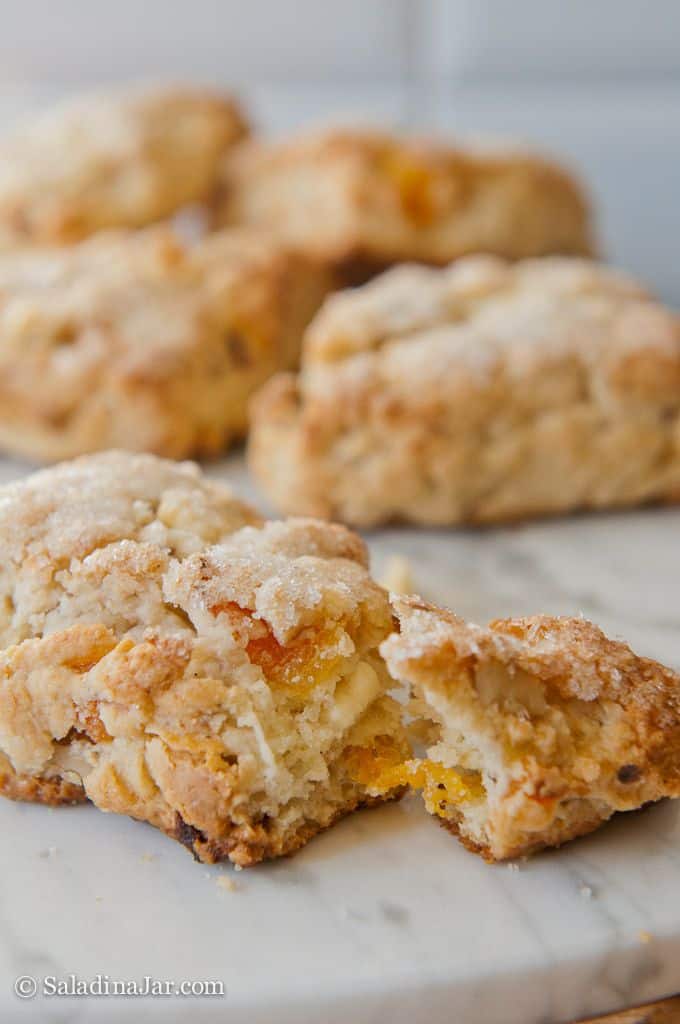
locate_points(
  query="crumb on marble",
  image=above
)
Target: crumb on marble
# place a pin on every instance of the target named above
(644, 936)
(48, 853)
(586, 892)
(226, 883)
(147, 858)
(513, 866)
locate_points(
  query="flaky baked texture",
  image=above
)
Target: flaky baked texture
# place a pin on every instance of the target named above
(539, 728)
(136, 340)
(112, 160)
(166, 654)
(364, 200)
(484, 392)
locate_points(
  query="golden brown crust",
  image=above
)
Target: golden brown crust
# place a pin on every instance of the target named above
(119, 160)
(367, 198)
(54, 792)
(486, 392)
(192, 665)
(563, 726)
(248, 845)
(136, 340)
(552, 838)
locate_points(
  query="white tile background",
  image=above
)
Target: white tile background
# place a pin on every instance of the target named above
(595, 81)
(70, 40)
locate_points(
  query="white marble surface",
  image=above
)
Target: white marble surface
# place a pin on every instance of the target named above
(385, 917)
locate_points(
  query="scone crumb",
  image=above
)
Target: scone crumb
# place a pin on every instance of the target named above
(226, 883)
(644, 936)
(148, 858)
(513, 866)
(586, 892)
(398, 576)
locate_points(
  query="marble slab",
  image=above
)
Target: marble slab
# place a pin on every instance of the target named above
(385, 917)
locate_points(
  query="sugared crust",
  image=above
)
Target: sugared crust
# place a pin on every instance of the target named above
(409, 301)
(569, 725)
(115, 494)
(570, 656)
(136, 340)
(483, 392)
(119, 160)
(369, 198)
(193, 666)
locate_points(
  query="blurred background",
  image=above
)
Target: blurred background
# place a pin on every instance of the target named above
(596, 82)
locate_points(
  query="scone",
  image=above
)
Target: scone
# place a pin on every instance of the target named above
(136, 340)
(118, 160)
(484, 392)
(365, 200)
(539, 729)
(168, 655)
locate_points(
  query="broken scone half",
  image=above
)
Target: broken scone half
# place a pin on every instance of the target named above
(538, 729)
(168, 655)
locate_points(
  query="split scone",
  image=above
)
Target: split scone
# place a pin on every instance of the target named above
(119, 160)
(484, 392)
(364, 200)
(539, 729)
(135, 340)
(168, 655)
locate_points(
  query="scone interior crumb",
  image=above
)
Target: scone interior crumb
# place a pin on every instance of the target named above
(537, 730)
